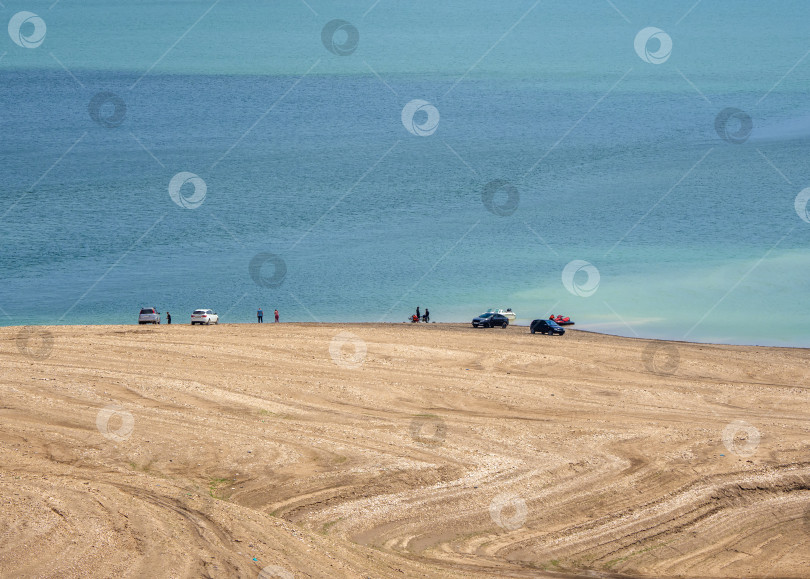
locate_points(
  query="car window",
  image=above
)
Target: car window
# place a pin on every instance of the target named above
(199, 312)
(147, 311)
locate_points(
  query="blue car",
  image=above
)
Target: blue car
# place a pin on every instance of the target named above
(490, 320)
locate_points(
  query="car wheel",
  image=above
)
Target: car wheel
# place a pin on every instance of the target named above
(475, 325)
(533, 330)
(504, 325)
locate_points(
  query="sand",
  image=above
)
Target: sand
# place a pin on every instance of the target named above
(325, 450)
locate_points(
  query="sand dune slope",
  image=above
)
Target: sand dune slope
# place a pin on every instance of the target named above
(297, 450)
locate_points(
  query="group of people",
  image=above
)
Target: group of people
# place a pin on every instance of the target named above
(260, 315)
(425, 318)
(415, 318)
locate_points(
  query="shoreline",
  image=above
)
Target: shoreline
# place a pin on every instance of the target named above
(422, 324)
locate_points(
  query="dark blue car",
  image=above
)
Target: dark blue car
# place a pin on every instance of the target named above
(549, 327)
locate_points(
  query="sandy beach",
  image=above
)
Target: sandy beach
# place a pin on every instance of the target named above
(398, 450)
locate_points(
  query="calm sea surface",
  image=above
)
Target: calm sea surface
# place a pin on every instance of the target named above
(550, 163)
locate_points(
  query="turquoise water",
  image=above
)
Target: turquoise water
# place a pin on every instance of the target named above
(603, 158)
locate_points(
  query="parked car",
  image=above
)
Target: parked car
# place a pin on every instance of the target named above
(204, 317)
(549, 327)
(149, 316)
(490, 320)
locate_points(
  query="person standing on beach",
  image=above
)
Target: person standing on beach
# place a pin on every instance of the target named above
(418, 317)
(168, 318)
(427, 315)
(276, 312)
(260, 315)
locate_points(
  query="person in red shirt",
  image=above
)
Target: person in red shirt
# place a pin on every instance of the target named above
(276, 312)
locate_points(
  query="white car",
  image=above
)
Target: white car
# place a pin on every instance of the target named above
(204, 317)
(149, 316)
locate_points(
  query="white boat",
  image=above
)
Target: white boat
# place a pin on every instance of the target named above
(510, 315)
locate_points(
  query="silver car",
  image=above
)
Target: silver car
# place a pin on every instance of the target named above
(149, 316)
